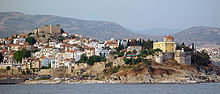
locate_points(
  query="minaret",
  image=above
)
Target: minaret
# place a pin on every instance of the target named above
(50, 28)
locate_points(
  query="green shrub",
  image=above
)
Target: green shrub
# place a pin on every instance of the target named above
(91, 60)
(31, 40)
(138, 68)
(44, 78)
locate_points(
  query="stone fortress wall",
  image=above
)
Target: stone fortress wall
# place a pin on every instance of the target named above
(45, 29)
(55, 29)
(180, 56)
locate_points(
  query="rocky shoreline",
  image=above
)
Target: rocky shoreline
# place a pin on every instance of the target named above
(112, 82)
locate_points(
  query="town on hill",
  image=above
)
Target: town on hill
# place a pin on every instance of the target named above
(48, 54)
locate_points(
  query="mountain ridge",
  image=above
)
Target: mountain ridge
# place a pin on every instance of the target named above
(199, 35)
(17, 22)
(159, 31)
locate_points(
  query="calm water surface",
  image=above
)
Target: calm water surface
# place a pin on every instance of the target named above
(206, 88)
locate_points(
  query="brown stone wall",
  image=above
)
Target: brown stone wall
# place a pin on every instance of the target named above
(45, 72)
(58, 72)
(55, 29)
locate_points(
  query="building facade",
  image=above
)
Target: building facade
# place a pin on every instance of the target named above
(168, 45)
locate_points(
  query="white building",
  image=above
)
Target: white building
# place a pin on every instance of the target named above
(18, 40)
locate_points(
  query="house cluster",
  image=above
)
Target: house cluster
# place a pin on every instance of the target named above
(56, 53)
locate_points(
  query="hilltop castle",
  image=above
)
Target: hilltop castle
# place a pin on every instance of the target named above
(51, 29)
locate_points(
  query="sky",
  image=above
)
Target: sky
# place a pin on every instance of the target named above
(132, 14)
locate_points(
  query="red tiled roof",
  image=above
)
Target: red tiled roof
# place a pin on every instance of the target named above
(72, 51)
(111, 42)
(169, 37)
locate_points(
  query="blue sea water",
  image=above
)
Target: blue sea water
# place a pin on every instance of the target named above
(205, 88)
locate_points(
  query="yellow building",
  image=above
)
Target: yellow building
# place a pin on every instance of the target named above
(168, 45)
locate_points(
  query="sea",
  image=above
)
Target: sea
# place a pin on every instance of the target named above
(204, 88)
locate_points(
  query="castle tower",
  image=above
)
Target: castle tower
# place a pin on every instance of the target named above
(55, 29)
(182, 57)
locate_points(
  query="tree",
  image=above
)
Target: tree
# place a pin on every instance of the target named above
(62, 31)
(120, 54)
(48, 40)
(144, 52)
(183, 46)
(23, 53)
(177, 46)
(193, 46)
(83, 58)
(31, 40)
(8, 68)
(49, 65)
(91, 60)
(128, 44)
(18, 56)
(134, 51)
(129, 52)
(61, 38)
(144, 44)
(44, 35)
(200, 58)
(157, 50)
(127, 60)
(132, 61)
(30, 34)
(1, 57)
(72, 36)
(120, 47)
(94, 59)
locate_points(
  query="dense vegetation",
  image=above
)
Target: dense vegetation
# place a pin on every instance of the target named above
(1, 57)
(200, 59)
(91, 60)
(143, 43)
(132, 61)
(23, 53)
(31, 40)
(147, 48)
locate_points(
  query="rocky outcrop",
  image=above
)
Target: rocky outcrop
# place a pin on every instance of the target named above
(59, 72)
(96, 69)
(177, 76)
(118, 62)
(79, 68)
(85, 69)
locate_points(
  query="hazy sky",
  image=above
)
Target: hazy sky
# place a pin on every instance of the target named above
(134, 14)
